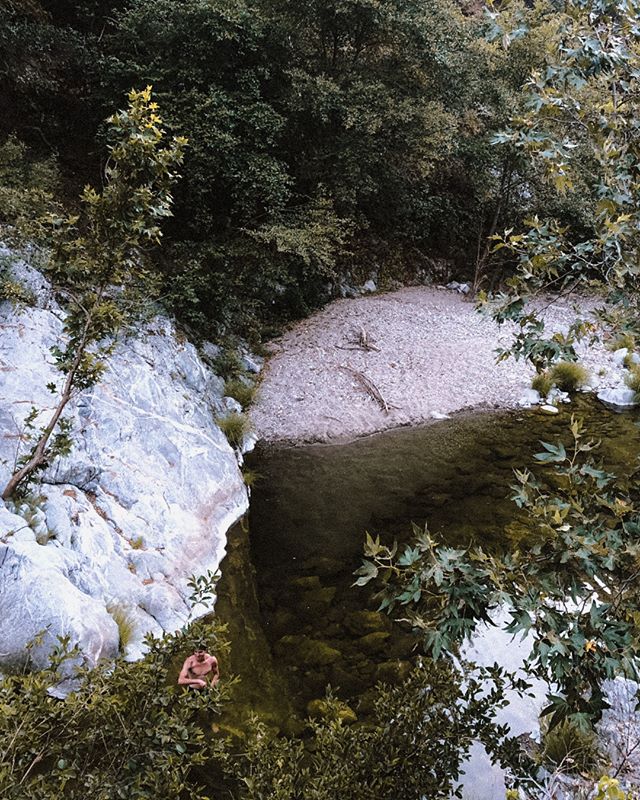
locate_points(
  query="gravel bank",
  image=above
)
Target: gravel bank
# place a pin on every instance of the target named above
(434, 355)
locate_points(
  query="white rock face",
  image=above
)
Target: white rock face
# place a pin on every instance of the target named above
(142, 503)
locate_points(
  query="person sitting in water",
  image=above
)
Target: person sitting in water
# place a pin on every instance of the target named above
(198, 669)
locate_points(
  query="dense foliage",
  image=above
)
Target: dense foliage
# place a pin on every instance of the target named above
(126, 730)
(580, 127)
(330, 141)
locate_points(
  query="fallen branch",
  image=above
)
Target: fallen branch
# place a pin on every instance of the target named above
(362, 342)
(371, 389)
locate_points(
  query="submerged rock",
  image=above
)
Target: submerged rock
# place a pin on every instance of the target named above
(304, 650)
(321, 709)
(142, 502)
(360, 623)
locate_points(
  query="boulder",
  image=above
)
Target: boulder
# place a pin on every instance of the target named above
(618, 396)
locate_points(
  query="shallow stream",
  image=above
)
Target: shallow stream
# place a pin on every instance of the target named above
(296, 623)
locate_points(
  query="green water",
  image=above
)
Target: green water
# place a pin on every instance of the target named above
(296, 623)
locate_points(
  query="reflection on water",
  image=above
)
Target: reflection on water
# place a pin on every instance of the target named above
(309, 512)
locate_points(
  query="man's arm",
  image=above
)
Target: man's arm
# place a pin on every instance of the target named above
(215, 670)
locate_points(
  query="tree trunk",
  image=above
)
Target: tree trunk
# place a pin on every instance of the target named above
(40, 451)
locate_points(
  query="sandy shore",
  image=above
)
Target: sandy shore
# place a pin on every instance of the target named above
(431, 354)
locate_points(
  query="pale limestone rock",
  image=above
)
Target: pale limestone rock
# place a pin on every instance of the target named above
(530, 397)
(150, 488)
(620, 396)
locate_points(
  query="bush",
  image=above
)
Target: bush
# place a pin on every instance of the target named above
(235, 427)
(568, 376)
(127, 729)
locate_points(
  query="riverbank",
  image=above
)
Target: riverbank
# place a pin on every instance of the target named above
(382, 361)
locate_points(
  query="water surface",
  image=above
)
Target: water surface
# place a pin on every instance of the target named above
(297, 623)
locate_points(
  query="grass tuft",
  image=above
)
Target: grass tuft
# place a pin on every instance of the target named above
(623, 340)
(241, 390)
(633, 378)
(235, 427)
(125, 623)
(250, 477)
(568, 376)
(542, 383)
(137, 542)
(228, 364)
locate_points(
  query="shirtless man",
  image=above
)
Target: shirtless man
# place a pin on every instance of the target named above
(198, 668)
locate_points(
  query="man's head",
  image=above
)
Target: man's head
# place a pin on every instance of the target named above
(200, 654)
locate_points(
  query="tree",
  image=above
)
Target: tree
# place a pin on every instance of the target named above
(580, 127)
(98, 259)
(572, 586)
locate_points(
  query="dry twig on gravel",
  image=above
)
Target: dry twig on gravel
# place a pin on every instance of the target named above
(370, 387)
(363, 342)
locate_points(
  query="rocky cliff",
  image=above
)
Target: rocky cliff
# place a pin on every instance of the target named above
(143, 501)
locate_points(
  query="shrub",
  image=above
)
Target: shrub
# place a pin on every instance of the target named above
(228, 364)
(241, 390)
(542, 383)
(235, 427)
(78, 744)
(568, 376)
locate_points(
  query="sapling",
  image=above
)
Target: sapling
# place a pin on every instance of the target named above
(98, 259)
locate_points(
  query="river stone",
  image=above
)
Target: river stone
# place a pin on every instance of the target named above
(530, 397)
(306, 583)
(547, 409)
(393, 672)
(150, 487)
(307, 651)
(320, 709)
(360, 623)
(373, 642)
(620, 396)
